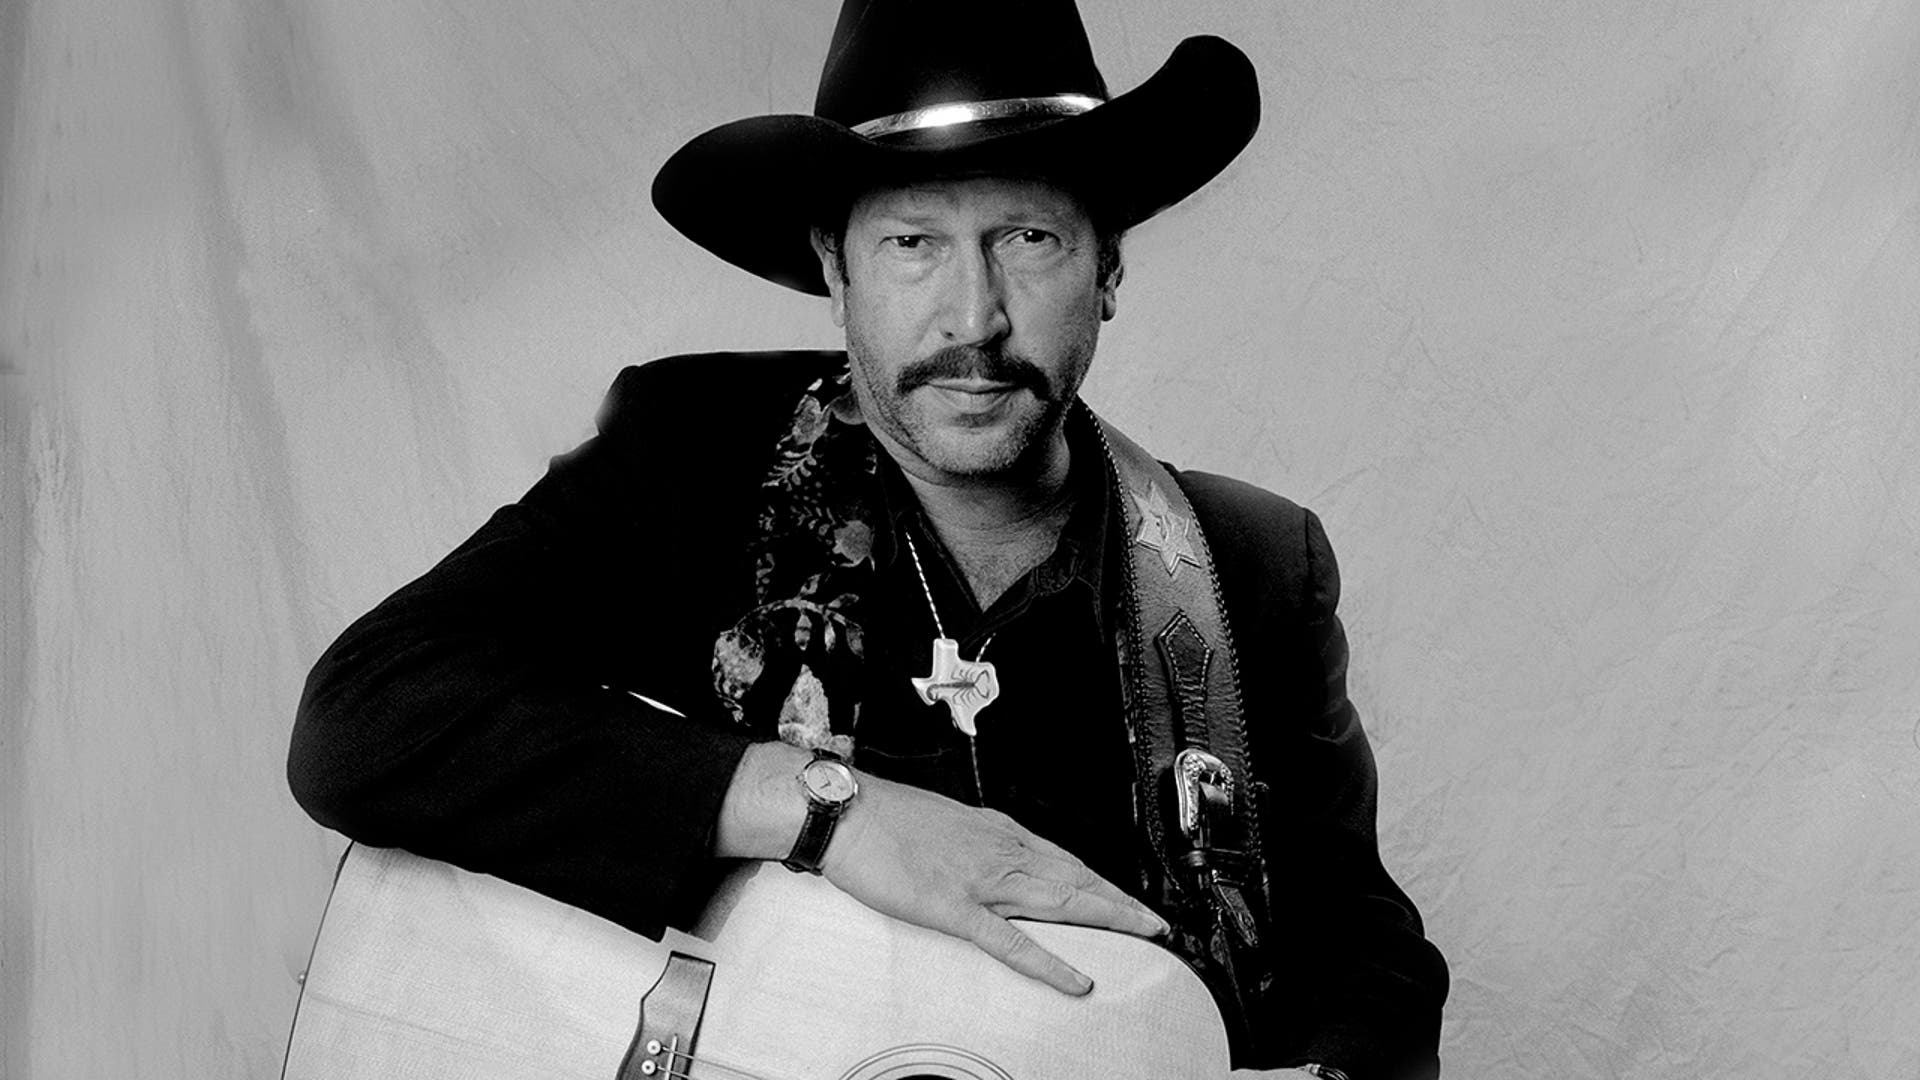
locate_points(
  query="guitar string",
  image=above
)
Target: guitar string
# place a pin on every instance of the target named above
(708, 1063)
(673, 1051)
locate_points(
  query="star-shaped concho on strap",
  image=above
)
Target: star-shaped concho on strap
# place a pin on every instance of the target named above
(1165, 530)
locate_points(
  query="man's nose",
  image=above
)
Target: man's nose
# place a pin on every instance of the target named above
(975, 308)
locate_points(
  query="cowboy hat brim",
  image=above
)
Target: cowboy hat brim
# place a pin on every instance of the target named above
(751, 191)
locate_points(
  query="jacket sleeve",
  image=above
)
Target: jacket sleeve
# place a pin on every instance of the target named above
(1357, 984)
(480, 715)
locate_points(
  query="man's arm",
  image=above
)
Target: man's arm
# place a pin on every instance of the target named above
(480, 714)
(1358, 986)
(1376, 984)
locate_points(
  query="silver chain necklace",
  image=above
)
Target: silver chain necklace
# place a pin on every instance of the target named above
(966, 686)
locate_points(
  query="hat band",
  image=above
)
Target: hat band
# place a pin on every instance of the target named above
(972, 112)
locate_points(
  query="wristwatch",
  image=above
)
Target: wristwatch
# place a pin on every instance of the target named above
(829, 786)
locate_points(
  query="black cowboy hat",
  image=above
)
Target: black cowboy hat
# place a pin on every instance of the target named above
(914, 89)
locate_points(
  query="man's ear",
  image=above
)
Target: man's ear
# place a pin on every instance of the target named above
(1109, 289)
(830, 264)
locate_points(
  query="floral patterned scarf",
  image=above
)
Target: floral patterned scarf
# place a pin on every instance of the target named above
(790, 666)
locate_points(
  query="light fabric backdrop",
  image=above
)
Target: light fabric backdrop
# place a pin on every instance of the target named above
(1591, 329)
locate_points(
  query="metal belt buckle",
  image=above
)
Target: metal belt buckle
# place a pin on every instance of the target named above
(1202, 786)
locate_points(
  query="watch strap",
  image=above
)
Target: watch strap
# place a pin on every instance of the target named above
(810, 847)
(816, 832)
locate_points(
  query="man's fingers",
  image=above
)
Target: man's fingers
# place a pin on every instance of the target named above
(1029, 896)
(1063, 884)
(935, 863)
(1154, 924)
(1004, 942)
(1043, 845)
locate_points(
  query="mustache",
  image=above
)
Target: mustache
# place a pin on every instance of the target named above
(972, 361)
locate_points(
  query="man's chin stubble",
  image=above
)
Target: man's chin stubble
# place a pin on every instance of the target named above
(1008, 454)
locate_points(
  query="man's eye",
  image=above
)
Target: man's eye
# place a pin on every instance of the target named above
(906, 242)
(1030, 242)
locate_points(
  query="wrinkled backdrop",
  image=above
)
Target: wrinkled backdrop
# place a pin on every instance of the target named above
(1592, 330)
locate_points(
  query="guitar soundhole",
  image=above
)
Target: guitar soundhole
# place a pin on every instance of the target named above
(927, 1062)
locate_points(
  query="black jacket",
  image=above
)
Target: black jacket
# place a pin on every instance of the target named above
(480, 714)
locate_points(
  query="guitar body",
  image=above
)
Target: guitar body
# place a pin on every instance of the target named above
(423, 970)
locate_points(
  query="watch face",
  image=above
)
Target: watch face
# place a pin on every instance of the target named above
(828, 781)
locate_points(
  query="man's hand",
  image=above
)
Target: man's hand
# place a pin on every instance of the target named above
(928, 860)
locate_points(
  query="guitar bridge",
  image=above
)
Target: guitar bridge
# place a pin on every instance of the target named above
(669, 1020)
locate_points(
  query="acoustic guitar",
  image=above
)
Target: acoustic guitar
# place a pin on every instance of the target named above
(423, 970)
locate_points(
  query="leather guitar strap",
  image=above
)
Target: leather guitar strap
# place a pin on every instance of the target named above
(1195, 795)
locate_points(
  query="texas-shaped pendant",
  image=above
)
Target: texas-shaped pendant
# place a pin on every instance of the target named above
(967, 686)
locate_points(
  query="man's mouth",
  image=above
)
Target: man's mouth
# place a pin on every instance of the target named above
(971, 395)
(973, 386)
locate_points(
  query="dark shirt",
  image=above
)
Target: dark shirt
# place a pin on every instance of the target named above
(1052, 750)
(481, 715)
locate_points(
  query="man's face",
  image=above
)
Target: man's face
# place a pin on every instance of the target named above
(971, 309)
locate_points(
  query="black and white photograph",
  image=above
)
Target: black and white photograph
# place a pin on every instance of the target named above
(995, 540)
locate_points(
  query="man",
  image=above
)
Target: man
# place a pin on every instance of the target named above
(706, 634)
